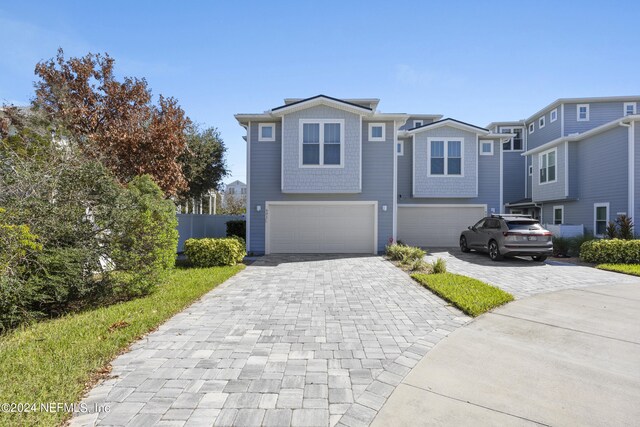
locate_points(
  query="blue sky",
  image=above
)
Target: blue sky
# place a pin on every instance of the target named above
(475, 61)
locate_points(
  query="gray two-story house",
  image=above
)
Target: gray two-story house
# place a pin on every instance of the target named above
(328, 175)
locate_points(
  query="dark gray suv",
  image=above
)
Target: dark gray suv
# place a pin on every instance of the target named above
(508, 235)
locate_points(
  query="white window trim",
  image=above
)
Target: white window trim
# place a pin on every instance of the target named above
(553, 115)
(578, 112)
(401, 152)
(626, 104)
(417, 123)
(446, 157)
(553, 150)
(486, 141)
(595, 216)
(532, 127)
(541, 122)
(320, 122)
(384, 132)
(273, 132)
(530, 170)
(561, 207)
(522, 135)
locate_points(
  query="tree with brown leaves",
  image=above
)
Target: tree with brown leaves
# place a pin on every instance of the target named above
(115, 122)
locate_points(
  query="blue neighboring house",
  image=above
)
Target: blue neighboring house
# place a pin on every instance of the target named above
(580, 159)
(328, 175)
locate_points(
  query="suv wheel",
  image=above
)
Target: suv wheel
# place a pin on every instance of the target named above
(539, 258)
(463, 244)
(494, 251)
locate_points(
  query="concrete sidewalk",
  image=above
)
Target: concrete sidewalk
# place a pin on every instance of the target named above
(565, 358)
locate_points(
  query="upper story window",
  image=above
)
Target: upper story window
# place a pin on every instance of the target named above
(532, 127)
(629, 108)
(486, 148)
(400, 148)
(547, 165)
(243, 190)
(541, 122)
(417, 123)
(515, 143)
(445, 157)
(322, 142)
(553, 115)
(231, 190)
(582, 112)
(266, 132)
(376, 132)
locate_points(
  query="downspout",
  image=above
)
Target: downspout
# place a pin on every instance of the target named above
(631, 168)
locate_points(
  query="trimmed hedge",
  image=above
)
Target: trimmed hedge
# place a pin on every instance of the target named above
(611, 251)
(237, 228)
(214, 252)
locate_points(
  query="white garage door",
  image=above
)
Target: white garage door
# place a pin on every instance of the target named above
(433, 226)
(326, 227)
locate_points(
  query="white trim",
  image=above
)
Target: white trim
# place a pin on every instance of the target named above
(561, 120)
(394, 206)
(553, 115)
(268, 203)
(632, 171)
(415, 123)
(450, 123)
(586, 119)
(341, 105)
(555, 151)
(624, 108)
(413, 165)
(593, 99)
(595, 211)
(478, 161)
(384, 132)
(248, 211)
(542, 122)
(483, 142)
(443, 205)
(401, 144)
(566, 169)
(273, 132)
(320, 123)
(282, 157)
(446, 141)
(561, 207)
(361, 142)
(501, 178)
(532, 127)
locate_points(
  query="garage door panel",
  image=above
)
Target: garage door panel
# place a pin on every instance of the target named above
(321, 228)
(434, 226)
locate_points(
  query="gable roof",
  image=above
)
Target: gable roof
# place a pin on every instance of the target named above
(448, 122)
(363, 102)
(321, 99)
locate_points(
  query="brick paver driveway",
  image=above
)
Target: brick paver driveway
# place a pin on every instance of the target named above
(523, 277)
(293, 340)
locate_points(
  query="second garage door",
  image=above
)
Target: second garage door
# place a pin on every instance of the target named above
(436, 225)
(326, 227)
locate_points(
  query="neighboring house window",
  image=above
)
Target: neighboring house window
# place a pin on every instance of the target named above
(376, 132)
(541, 122)
(243, 191)
(266, 132)
(400, 148)
(515, 143)
(530, 170)
(600, 218)
(553, 116)
(486, 148)
(417, 123)
(548, 166)
(321, 142)
(582, 112)
(558, 215)
(231, 190)
(445, 157)
(629, 108)
(532, 127)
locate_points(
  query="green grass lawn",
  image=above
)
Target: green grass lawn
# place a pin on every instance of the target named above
(53, 361)
(633, 269)
(469, 295)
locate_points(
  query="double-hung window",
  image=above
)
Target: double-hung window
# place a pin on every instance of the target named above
(600, 218)
(582, 112)
(322, 142)
(445, 157)
(548, 166)
(558, 215)
(515, 143)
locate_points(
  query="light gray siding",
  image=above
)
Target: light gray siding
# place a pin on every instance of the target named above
(264, 185)
(488, 181)
(550, 190)
(409, 123)
(599, 114)
(344, 179)
(445, 186)
(548, 133)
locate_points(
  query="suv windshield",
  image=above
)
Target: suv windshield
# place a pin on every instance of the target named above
(524, 225)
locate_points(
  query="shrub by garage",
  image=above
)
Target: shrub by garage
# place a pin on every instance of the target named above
(611, 251)
(214, 252)
(237, 228)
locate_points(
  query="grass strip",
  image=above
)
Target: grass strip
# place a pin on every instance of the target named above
(632, 269)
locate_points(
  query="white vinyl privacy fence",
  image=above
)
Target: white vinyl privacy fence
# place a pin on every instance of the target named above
(198, 226)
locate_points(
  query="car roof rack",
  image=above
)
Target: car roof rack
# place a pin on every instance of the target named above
(511, 216)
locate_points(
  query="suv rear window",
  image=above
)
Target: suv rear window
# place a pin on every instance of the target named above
(524, 225)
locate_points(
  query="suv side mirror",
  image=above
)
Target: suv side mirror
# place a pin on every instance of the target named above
(472, 228)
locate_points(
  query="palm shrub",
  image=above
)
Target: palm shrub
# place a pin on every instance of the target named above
(439, 266)
(561, 246)
(625, 227)
(611, 232)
